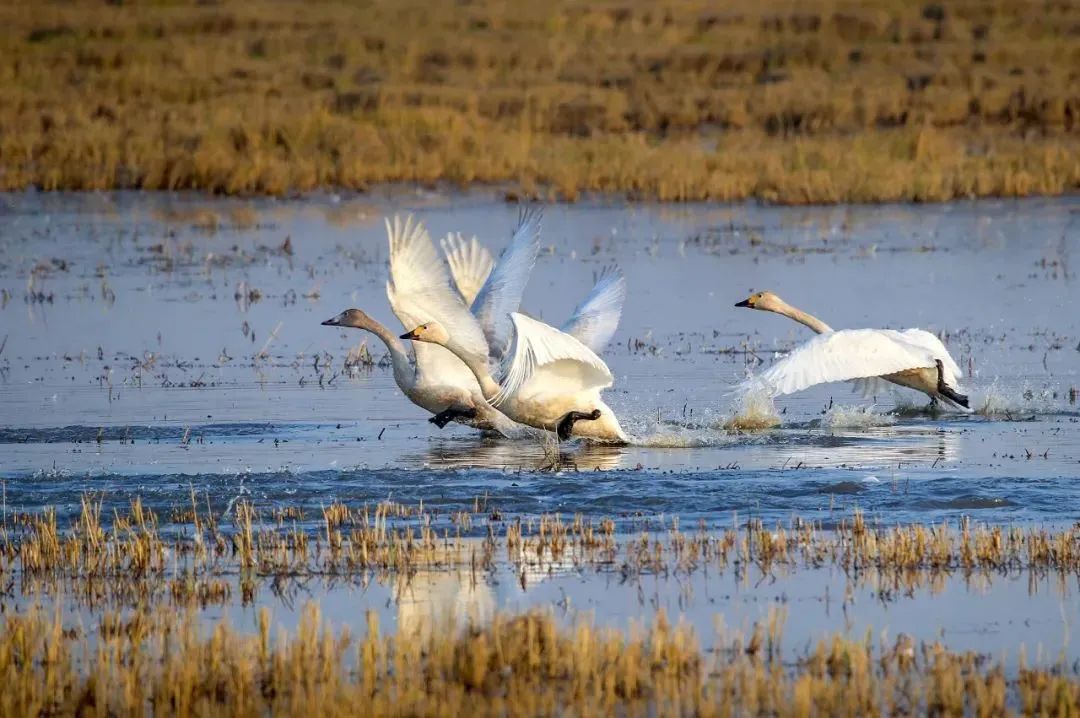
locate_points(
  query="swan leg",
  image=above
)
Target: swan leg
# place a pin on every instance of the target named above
(565, 427)
(449, 414)
(947, 391)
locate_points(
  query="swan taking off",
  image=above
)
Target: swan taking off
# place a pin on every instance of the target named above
(554, 377)
(913, 358)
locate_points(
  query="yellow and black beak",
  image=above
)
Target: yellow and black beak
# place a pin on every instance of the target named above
(745, 303)
(409, 335)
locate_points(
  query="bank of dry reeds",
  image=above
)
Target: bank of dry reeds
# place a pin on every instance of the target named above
(817, 101)
(166, 662)
(105, 617)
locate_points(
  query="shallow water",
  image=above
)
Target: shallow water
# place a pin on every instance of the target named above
(135, 360)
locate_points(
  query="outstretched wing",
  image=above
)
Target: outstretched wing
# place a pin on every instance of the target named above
(501, 293)
(543, 361)
(951, 371)
(470, 264)
(420, 291)
(842, 355)
(595, 320)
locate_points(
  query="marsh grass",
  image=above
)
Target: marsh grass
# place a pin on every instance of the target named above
(127, 559)
(819, 101)
(104, 618)
(164, 662)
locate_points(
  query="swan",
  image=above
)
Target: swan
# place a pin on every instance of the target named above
(552, 380)
(554, 377)
(440, 383)
(913, 358)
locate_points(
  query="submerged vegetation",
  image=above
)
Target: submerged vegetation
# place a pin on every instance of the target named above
(809, 102)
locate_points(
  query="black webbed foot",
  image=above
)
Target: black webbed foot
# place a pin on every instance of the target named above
(947, 391)
(445, 416)
(566, 424)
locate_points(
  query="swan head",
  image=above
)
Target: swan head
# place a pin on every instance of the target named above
(351, 318)
(431, 332)
(766, 301)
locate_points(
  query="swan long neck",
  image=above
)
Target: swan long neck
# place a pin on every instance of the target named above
(802, 317)
(478, 366)
(404, 374)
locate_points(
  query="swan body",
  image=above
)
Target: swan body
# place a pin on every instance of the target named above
(552, 381)
(913, 358)
(446, 398)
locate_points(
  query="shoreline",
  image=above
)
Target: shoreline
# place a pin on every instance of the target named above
(879, 102)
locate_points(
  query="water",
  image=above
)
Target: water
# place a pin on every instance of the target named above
(138, 359)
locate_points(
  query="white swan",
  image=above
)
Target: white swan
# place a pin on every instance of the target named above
(913, 358)
(553, 377)
(440, 382)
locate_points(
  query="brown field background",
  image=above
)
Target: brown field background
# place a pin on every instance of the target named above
(790, 102)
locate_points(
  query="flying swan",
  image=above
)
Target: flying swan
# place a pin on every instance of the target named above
(440, 383)
(912, 358)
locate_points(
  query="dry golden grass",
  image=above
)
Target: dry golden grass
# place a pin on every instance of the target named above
(124, 634)
(207, 559)
(816, 101)
(165, 662)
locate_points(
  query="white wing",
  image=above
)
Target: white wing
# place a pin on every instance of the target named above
(470, 264)
(841, 356)
(920, 337)
(545, 361)
(501, 293)
(419, 291)
(595, 320)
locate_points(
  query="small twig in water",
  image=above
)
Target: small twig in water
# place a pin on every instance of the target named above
(273, 335)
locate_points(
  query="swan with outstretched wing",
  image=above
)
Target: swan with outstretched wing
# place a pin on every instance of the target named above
(912, 358)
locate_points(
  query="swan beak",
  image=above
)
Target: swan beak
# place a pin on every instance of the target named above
(408, 335)
(744, 303)
(331, 322)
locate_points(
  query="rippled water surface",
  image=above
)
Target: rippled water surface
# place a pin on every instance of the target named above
(156, 345)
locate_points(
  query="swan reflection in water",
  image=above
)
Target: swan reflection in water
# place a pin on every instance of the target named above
(438, 601)
(481, 453)
(431, 601)
(876, 447)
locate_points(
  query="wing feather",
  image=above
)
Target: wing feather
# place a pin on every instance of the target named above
(470, 264)
(843, 355)
(501, 293)
(420, 291)
(543, 360)
(595, 320)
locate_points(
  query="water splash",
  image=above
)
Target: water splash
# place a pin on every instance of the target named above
(855, 417)
(673, 436)
(999, 402)
(754, 411)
